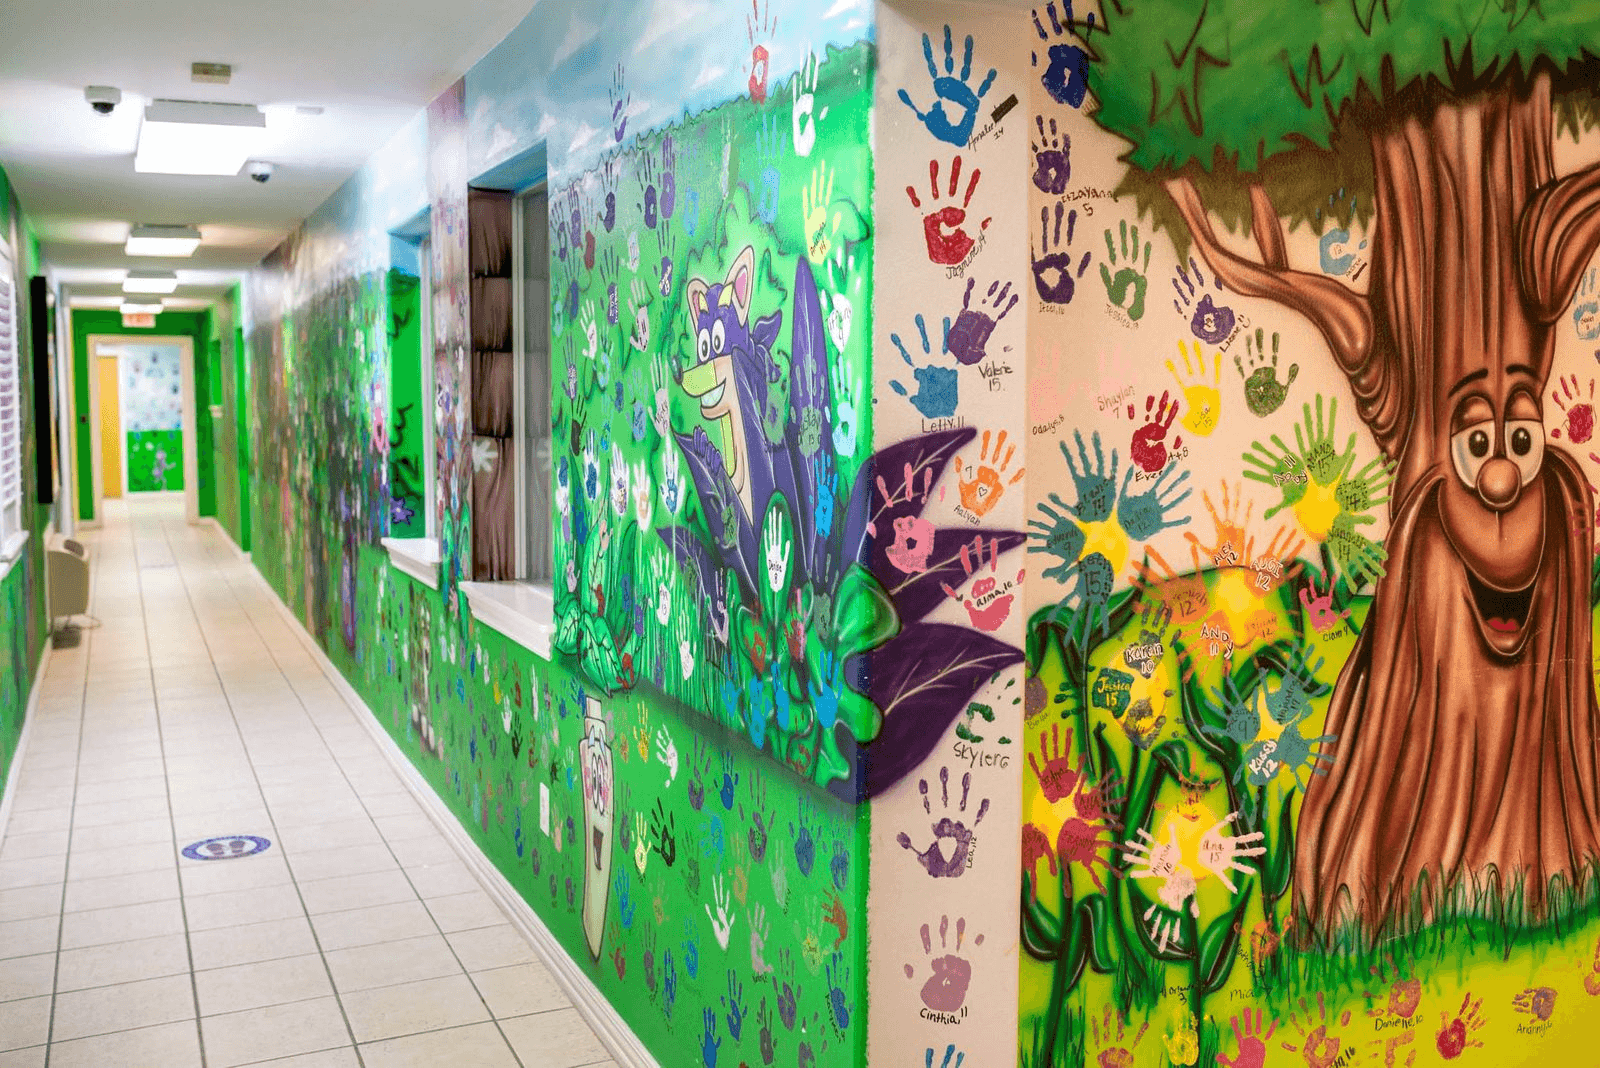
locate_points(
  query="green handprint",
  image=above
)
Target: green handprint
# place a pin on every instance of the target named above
(1359, 492)
(1263, 393)
(1316, 445)
(1282, 469)
(1129, 278)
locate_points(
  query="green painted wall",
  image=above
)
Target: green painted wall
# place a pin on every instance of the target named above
(23, 625)
(195, 325)
(229, 426)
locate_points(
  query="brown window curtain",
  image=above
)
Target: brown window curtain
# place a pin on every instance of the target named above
(494, 504)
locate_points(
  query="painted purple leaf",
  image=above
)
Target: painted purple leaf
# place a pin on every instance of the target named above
(921, 680)
(926, 456)
(917, 594)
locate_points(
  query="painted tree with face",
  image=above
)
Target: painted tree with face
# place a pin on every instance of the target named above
(1466, 717)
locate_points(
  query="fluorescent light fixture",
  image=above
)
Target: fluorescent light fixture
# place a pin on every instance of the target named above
(163, 241)
(141, 308)
(189, 137)
(150, 282)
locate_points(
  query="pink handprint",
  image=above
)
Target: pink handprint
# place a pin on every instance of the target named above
(987, 605)
(1251, 1041)
(1319, 606)
(1579, 422)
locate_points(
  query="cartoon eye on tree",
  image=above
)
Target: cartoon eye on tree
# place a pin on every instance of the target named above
(1439, 118)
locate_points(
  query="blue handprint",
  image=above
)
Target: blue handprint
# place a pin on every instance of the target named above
(1096, 489)
(824, 687)
(1059, 536)
(691, 949)
(936, 386)
(626, 906)
(669, 983)
(771, 140)
(1066, 77)
(1586, 311)
(827, 491)
(955, 109)
(840, 865)
(730, 779)
(1145, 515)
(734, 1004)
(756, 709)
(709, 1042)
(805, 847)
(949, 1052)
(838, 978)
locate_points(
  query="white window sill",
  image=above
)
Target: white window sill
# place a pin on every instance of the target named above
(417, 557)
(521, 611)
(11, 552)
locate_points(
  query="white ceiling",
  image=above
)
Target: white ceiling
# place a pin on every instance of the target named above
(371, 66)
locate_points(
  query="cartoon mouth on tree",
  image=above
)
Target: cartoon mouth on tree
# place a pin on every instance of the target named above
(1466, 716)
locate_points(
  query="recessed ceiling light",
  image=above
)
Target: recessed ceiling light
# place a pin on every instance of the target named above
(150, 282)
(190, 137)
(163, 241)
(141, 308)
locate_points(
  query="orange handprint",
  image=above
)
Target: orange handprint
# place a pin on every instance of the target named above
(983, 490)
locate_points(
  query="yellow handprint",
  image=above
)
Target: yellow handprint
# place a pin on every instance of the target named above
(1202, 401)
(814, 201)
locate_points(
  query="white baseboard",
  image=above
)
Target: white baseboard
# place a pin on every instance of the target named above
(28, 716)
(618, 1038)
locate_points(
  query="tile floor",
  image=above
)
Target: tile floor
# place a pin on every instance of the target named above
(357, 938)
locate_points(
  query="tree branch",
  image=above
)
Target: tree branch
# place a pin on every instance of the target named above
(1343, 317)
(1559, 233)
(1268, 228)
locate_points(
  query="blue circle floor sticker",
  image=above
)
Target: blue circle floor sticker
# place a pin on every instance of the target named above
(227, 847)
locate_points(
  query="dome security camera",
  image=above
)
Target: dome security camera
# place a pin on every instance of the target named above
(259, 170)
(103, 98)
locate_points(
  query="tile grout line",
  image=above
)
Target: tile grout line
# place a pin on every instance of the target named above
(255, 776)
(351, 713)
(72, 814)
(172, 820)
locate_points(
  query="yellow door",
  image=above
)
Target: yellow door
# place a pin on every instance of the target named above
(110, 430)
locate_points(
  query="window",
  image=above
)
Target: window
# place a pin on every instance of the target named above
(531, 327)
(11, 527)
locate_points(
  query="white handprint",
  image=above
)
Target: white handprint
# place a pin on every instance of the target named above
(722, 920)
(847, 388)
(758, 941)
(804, 88)
(775, 542)
(644, 495)
(1220, 852)
(667, 752)
(619, 482)
(641, 841)
(591, 331)
(685, 658)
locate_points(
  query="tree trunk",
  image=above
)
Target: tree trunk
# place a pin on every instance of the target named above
(1465, 757)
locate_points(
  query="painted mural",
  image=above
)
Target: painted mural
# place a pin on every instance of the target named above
(1311, 762)
(704, 877)
(151, 398)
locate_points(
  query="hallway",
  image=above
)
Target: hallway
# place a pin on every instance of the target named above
(356, 937)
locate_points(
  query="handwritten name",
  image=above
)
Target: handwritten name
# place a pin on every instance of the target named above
(979, 758)
(1050, 427)
(934, 1016)
(961, 268)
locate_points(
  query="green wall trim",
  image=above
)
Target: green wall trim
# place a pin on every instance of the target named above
(194, 325)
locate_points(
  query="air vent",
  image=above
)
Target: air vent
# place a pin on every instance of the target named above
(211, 73)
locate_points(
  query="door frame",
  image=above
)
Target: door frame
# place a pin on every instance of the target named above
(191, 466)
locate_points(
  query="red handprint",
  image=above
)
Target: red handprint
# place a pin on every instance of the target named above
(1580, 416)
(1149, 446)
(1036, 847)
(1456, 1035)
(1251, 1040)
(1058, 778)
(948, 242)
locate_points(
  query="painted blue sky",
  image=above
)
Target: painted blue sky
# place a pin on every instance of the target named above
(678, 56)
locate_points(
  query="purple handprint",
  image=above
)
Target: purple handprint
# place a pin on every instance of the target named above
(1051, 166)
(1053, 275)
(947, 829)
(970, 333)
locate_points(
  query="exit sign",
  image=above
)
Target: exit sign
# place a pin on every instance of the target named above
(144, 319)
